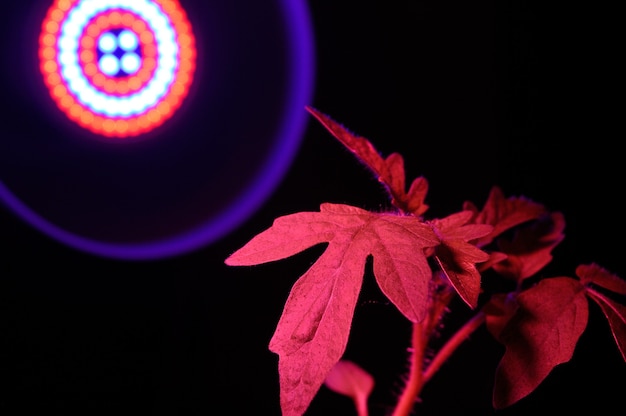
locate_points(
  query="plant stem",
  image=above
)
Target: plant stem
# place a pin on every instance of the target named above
(452, 344)
(418, 377)
(415, 380)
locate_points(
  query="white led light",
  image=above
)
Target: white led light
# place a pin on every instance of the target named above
(109, 65)
(128, 40)
(68, 42)
(107, 42)
(124, 107)
(67, 60)
(130, 62)
(90, 7)
(71, 73)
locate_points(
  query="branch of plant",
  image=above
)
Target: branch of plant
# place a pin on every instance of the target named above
(415, 380)
(441, 295)
(452, 344)
(418, 377)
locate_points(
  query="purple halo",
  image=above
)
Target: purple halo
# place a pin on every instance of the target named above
(294, 119)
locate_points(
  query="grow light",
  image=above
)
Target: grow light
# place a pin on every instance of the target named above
(119, 68)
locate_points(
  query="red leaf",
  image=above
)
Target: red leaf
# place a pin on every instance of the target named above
(543, 333)
(458, 258)
(390, 171)
(531, 247)
(349, 379)
(503, 213)
(593, 273)
(312, 332)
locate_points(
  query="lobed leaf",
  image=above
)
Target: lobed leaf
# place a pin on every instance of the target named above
(313, 329)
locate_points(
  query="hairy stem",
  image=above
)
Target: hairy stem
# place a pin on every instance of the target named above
(452, 344)
(415, 380)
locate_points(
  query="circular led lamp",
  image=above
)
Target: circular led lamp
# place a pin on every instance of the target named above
(85, 46)
(118, 69)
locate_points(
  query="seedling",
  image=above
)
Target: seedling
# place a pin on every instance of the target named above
(420, 264)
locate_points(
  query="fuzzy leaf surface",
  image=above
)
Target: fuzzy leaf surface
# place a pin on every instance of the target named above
(313, 329)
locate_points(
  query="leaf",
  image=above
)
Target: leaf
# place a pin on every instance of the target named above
(312, 333)
(313, 329)
(349, 379)
(531, 247)
(549, 320)
(596, 274)
(389, 172)
(457, 258)
(503, 213)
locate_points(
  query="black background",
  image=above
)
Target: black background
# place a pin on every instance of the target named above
(472, 94)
